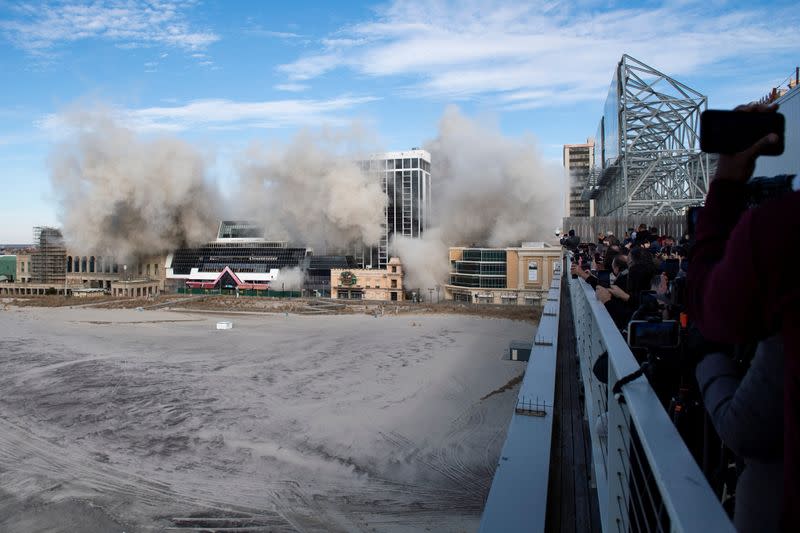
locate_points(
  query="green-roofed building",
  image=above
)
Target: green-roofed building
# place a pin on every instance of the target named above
(8, 267)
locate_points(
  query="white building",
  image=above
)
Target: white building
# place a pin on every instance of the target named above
(405, 177)
(253, 262)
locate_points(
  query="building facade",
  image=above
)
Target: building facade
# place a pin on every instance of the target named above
(103, 272)
(384, 284)
(578, 161)
(515, 275)
(253, 261)
(405, 178)
(23, 268)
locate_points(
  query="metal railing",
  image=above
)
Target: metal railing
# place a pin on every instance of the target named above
(517, 500)
(646, 478)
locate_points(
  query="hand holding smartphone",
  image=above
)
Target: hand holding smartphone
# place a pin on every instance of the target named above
(731, 132)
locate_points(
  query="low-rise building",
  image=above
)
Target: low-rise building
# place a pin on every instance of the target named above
(99, 272)
(8, 268)
(23, 268)
(514, 275)
(369, 283)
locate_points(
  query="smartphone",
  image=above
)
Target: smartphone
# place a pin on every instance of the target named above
(729, 132)
(604, 278)
(645, 334)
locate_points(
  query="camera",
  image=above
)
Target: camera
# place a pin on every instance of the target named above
(652, 334)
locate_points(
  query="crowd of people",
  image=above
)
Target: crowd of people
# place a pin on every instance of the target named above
(728, 290)
(642, 264)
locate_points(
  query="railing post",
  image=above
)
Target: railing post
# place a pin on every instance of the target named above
(616, 518)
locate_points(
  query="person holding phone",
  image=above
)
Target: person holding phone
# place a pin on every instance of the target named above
(743, 294)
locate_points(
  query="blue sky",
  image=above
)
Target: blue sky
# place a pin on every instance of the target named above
(222, 74)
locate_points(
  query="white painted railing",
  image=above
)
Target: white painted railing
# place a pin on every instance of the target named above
(517, 501)
(646, 478)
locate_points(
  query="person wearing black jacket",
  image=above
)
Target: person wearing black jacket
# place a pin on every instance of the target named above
(571, 241)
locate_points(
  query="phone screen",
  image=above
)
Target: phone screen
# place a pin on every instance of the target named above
(644, 334)
(729, 132)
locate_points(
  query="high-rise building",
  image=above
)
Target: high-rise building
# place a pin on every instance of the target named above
(578, 160)
(405, 177)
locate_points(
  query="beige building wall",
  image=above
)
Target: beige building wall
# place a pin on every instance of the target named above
(369, 283)
(145, 277)
(90, 271)
(529, 272)
(23, 268)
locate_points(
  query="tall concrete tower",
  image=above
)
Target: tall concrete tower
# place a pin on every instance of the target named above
(578, 160)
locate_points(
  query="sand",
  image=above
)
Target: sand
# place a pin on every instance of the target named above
(121, 420)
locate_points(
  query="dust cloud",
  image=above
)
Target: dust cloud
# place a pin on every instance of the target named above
(313, 191)
(425, 261)
(123, 196)
(488, 190)
(290, 279)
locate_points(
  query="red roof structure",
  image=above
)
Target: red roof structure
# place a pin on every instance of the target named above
(227, 279)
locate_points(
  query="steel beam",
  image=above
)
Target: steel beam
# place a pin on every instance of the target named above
(660, 165)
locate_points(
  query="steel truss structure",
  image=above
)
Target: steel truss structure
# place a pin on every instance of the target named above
(656, 165)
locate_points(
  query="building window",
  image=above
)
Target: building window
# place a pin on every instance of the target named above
(394, 283)
(394, 269)
(394, 296)
(533, 272)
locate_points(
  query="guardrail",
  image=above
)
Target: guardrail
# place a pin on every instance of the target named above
(518, 497)
(646, 478)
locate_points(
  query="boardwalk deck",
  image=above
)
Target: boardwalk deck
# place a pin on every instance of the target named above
(571, 497)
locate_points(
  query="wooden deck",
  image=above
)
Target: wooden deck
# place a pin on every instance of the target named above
(571, 497)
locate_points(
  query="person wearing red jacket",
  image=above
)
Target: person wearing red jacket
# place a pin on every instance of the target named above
(743, 287)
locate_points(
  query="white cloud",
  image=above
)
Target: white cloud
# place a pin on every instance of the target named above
(276, 34)
(221, 114)
(39, 28)
(525, 55)
(311, 67)
(292, 87)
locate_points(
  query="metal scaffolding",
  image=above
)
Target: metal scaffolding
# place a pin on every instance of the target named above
(49, 261)
(649, 160)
